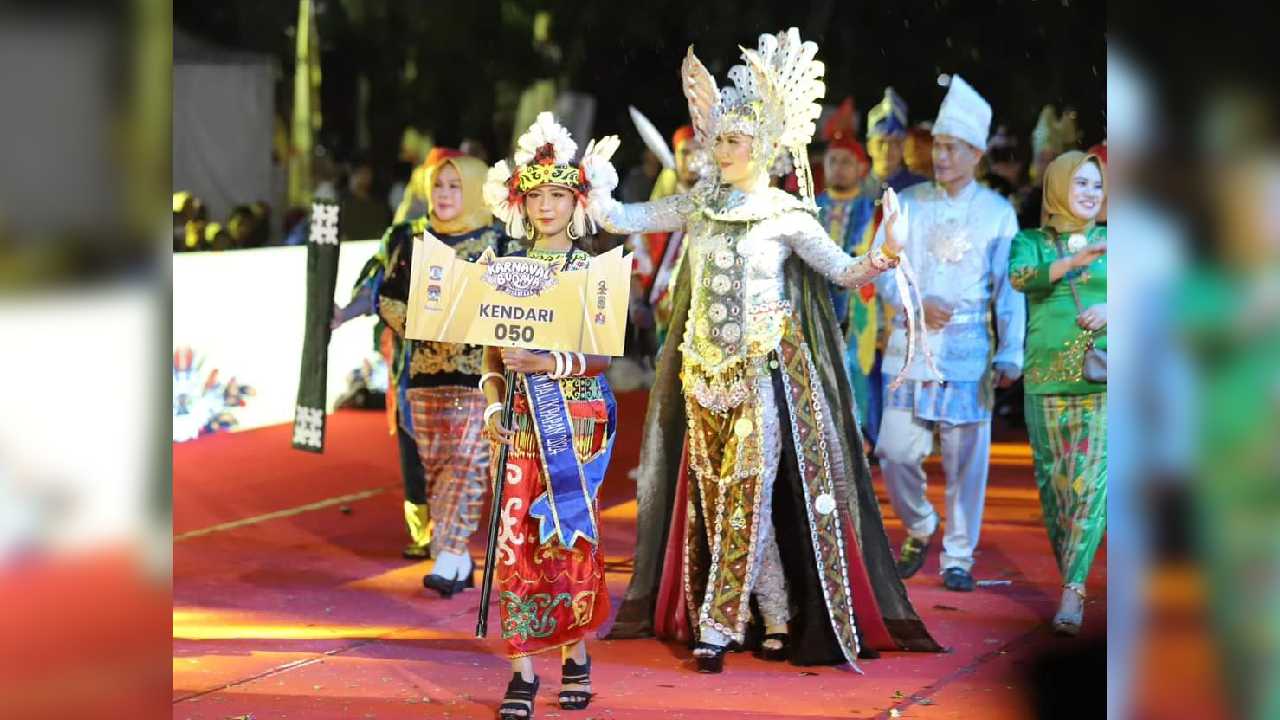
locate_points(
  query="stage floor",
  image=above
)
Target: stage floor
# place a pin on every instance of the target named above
(291, 601)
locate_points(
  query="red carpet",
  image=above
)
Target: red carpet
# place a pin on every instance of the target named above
(290, 600)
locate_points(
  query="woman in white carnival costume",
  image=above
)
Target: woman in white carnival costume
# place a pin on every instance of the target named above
(751, 394)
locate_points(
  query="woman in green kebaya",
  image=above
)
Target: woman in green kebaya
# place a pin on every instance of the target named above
(1062, 269)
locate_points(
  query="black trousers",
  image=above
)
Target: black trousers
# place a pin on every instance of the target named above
(414, 475)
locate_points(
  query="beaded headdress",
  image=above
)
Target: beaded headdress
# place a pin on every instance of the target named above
(773, 98)
(543, 156)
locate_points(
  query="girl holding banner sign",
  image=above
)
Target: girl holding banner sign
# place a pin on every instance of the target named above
(549, 565)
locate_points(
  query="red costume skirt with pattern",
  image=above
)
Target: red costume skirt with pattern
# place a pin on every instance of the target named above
(549, 595)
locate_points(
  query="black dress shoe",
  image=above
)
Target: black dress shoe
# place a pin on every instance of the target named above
(957, 580)
(911, 557)
(446, 588)
(449, 588)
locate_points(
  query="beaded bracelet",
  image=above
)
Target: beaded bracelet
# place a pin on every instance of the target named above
(880, 260)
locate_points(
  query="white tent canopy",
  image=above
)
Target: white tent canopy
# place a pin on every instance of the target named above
(223, 120)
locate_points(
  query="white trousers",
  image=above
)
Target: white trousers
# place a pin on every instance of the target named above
(905, 442)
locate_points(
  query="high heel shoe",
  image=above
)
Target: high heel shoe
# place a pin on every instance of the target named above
(571, 673)
(519, 698)
(1070, 615)
(712, 658)
(778, 654)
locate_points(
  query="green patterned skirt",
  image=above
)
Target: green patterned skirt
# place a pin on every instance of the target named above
(1069, 445)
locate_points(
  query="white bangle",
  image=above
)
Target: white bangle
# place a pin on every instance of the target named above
(582, 363)
(485, 378)
(493, 409)
(558, 361)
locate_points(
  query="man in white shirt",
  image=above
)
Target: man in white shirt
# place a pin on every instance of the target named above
(958, 236)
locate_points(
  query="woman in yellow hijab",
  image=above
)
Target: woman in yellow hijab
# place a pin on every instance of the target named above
(1062, 269)
(433, 396)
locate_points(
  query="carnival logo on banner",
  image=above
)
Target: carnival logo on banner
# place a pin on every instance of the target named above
(520, 277)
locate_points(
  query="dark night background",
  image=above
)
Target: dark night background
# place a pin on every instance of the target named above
(474, 58)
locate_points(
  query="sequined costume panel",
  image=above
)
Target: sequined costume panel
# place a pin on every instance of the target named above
(733, 457)
(449, 431)
(549, 595)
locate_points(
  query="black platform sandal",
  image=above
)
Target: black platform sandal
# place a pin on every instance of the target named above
(571, 673)
(778, 654)
(711, 659)
(517, 704)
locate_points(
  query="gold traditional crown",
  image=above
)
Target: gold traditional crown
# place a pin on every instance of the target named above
(536, 174)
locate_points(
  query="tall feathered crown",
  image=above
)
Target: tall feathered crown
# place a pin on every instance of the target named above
(543, 156)
(774, 98)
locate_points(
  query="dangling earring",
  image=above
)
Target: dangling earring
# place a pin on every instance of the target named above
(528, 228)
(577, 225)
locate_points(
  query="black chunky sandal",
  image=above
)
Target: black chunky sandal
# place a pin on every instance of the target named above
(712, 658)
(517, 704)
(571, 673)
(778, 654)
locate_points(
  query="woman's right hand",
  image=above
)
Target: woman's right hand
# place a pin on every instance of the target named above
(1087, 255)
(496, 432)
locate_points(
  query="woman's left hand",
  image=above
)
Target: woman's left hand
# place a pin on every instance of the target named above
(1093, 318)
(895, 223)
(524, 361)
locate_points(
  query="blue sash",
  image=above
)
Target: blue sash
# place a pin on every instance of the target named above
(567, 509)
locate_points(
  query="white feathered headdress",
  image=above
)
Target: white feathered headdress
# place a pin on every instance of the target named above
(774, 98)
(543, 156)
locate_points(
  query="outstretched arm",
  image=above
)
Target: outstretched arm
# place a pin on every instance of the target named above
(811, 242)
(665, 215)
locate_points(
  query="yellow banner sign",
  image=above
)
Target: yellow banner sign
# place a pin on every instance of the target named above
(518, 301)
